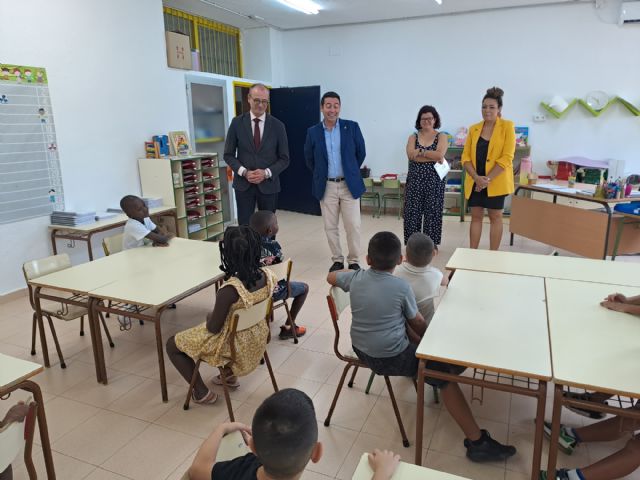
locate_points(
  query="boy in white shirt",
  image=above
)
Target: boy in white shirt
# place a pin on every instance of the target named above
(139, 226)
(424, 279)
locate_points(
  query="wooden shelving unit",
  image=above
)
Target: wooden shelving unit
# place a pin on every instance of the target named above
(191, 184)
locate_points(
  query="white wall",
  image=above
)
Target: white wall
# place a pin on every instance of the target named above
(385, 72)
(110, 91)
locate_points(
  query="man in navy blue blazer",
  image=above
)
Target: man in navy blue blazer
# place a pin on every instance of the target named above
(334, 151)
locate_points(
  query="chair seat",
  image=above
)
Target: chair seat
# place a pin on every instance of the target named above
(56, 309)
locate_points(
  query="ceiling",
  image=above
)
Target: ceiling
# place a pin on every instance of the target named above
(258, 13)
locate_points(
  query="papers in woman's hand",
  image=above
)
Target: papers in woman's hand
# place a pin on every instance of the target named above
(442, 168)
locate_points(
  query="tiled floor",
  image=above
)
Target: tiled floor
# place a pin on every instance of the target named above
(124, 431)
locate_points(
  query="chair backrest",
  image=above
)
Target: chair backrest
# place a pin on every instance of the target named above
(338, 300)
(282, 270)
(247, 318)
(43, 266)
(368, 182)
(14, 436)
(391, 183)
(112, 244)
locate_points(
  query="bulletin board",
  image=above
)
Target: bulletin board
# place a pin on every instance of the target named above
(30, 177)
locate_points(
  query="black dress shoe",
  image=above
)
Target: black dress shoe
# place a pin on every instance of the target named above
(354, 266)
(336, 266)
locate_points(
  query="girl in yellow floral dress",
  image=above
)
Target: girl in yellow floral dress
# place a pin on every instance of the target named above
(245, 284)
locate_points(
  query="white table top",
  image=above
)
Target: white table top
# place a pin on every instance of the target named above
(145, 274)
(108, 223)
(15, 370)
(547, 266)
(493, 321)
(592, 347)
(405, 471)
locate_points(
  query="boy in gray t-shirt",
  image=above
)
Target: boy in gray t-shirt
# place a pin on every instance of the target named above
(386, 328)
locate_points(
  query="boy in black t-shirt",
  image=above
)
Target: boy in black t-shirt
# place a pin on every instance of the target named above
(283, 438)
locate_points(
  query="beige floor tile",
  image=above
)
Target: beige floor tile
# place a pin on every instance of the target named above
(492, 404)
(100, 395)
(145, 402)
(509, 475)
(284, 381)
(351, 411)
(111, 355)
(310, 365)
(101, 474)
(310, 475)
(66, 467)
(199, 420)
(136, 460)
(463, 467)
(382, 422)
(181, 469)
(404, 389)
(337, 442)
(63, 415)
(144, 363)
(56, 380)
(367, 443)
(360, 382)
(279, 353)
(97, 439)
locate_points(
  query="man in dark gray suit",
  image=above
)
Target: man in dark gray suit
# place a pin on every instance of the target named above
(257, 150)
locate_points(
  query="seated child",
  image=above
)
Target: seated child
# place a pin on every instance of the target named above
(424, 279)
(265, 223)
(245, 284)
(139, 226)
(618, 465)
(15, 414)
(283, 437)
(384, 315)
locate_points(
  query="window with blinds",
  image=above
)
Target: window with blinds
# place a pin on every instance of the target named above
(218, 44)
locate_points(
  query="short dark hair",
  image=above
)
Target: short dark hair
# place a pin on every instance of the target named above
(432, 111)
(385, 250)
(127, 201)
(329, 95)
(261, 220)
(420, 249)
(495, 93)
(285, 431)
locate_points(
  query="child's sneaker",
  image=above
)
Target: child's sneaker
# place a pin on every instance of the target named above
(286, 333)
(566, 441)
(486, 449)
(582, 411)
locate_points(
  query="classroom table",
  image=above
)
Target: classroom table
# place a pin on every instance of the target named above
(496, 323)
(83, 233)
(405, 471)
(547, 266)
(141, 283)
(14, 375)
(593, 348)
(583, 231)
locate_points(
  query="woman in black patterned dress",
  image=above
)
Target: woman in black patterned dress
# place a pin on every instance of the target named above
(424, 192)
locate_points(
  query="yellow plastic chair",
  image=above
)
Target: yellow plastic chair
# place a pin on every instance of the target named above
(372, 195)
(44, 266)
(242, 320)
(395, 186)
(112, 244)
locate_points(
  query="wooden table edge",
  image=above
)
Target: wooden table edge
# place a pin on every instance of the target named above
(23, 378)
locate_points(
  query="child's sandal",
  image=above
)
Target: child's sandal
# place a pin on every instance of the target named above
(232, 381)
(209, 399)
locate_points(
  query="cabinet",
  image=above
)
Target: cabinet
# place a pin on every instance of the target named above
(454, 200)
(192, 184)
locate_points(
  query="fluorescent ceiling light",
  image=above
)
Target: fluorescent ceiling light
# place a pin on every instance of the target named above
(439, 2)
(305, 6)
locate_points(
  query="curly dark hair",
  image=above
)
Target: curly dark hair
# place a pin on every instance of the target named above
(240, 255)
(495, 93)
(432, 111)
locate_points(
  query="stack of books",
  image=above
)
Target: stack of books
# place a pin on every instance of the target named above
(72, 219)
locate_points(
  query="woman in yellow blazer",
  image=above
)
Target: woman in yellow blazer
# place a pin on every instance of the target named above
(488, 161)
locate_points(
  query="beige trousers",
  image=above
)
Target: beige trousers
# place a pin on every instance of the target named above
(338, 199)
